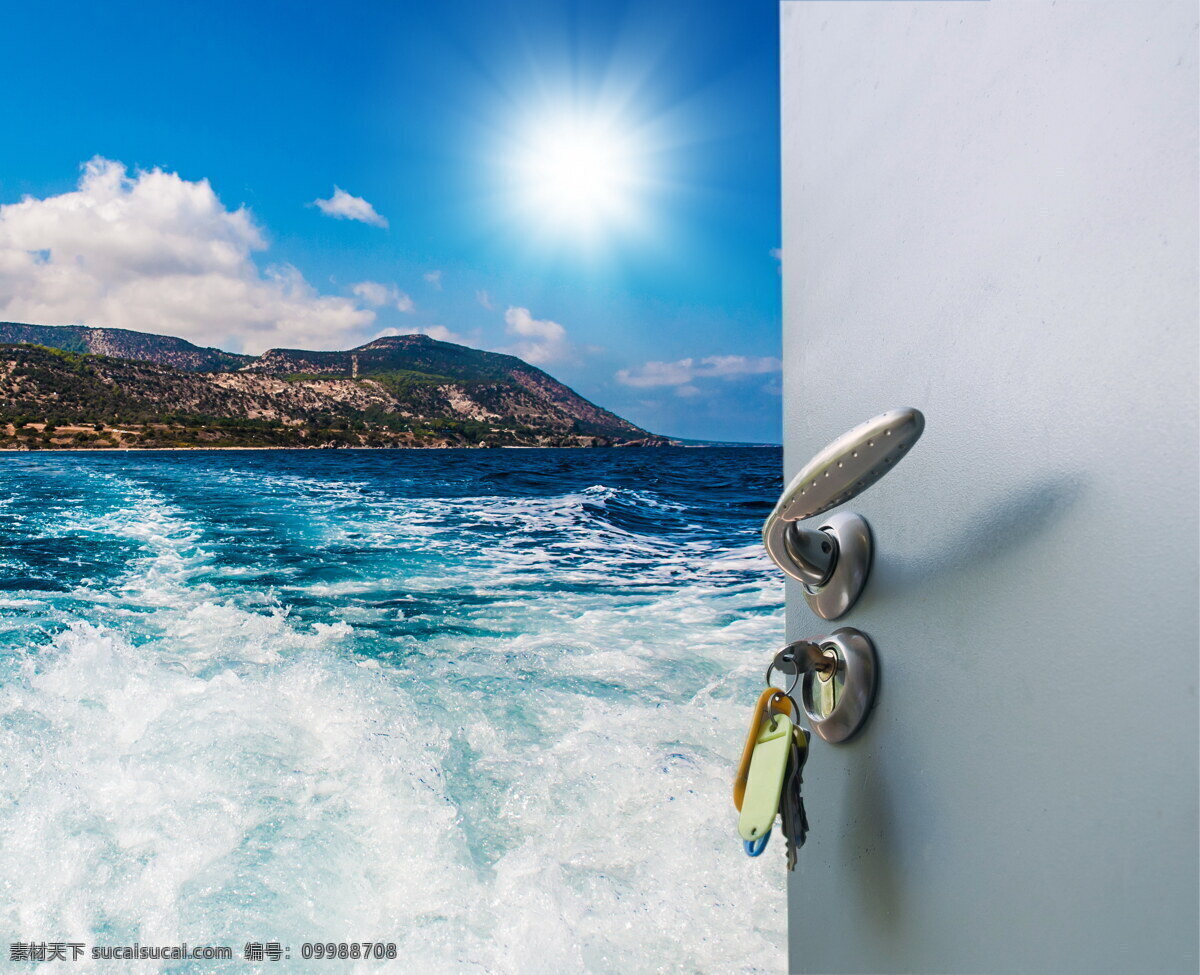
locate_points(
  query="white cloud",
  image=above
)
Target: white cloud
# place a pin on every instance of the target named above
(434, 278)
(777, 253)
(442, 334)
(377, 295)
(157, 253)
(731, 366)
(659, 374)
(343, 206)
(484, 299)
(684, 372)
(542, 341)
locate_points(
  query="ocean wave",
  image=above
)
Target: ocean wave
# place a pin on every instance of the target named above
(494, 729)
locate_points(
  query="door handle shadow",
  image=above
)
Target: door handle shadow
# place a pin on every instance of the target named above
(994, 531)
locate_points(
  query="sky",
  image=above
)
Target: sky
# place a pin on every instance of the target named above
(593, 186)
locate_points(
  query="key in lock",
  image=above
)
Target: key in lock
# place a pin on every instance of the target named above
(829, 685)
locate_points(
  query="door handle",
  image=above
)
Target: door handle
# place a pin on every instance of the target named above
(832, 560)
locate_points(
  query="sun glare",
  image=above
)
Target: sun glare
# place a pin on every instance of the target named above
(578, 176)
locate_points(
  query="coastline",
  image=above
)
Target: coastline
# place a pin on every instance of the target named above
(165, 450)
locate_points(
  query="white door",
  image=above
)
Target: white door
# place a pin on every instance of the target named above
(990, 214)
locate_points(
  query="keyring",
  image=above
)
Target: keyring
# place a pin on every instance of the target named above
(795, 679)
(815, 660)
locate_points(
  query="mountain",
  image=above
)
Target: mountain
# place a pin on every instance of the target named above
(57, 389)
(166, 350)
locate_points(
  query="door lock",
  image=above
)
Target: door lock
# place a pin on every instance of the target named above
(833, 559)
(839, 674)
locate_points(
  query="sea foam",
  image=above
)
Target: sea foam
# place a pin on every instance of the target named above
(529, 774)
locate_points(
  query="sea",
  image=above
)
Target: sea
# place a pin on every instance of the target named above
(483, 706)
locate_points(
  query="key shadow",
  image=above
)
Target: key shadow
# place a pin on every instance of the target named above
(871, 841)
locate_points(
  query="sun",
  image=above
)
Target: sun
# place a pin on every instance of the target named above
(578, 175)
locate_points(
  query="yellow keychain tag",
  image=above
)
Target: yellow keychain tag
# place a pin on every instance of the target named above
(768, 763)
(756, 720)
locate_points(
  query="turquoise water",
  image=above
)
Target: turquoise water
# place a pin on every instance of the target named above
(481, 704)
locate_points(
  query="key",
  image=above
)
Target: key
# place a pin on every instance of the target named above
(793, 819)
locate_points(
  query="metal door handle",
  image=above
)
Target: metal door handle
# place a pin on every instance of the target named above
(833, 559)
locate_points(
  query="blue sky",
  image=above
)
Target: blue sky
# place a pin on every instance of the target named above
(172, 168)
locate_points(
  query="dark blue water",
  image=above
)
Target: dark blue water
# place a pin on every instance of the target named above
(483, 704)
